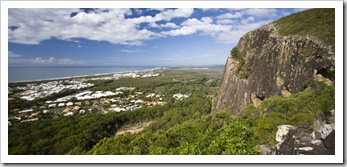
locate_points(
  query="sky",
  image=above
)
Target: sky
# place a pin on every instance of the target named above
(130, 37)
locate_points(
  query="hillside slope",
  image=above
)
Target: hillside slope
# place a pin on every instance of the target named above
(280, 58)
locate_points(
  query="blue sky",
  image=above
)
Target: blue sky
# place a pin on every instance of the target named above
(130, 37)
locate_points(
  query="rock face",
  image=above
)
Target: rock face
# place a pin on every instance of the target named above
(300, 139)
(305, 139)
(265, 63)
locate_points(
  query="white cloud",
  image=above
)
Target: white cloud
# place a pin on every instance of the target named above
(134, 51)
(185, 30)
(169, 25)
(207, 20)
(67, 61)
(209, 9)
(111, 26)
(205, 26)
(52, 60)
(230, 16)
(79, 46)
(247, 20)
(160, 9)
(165, 15)
(13, 55)
(261, 13)
(224, 21)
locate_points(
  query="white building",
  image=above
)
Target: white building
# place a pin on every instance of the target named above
(68, 114)
(69, 104)
(52, 105)
(26, 111)
(180, 96)
(151, 95)
(139, 101)
(61, 104)
(117, 109)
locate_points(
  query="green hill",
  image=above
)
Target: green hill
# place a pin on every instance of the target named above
(317, 23)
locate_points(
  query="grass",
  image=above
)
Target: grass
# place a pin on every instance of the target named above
(318, 23)
(300, 108)
(243, 70)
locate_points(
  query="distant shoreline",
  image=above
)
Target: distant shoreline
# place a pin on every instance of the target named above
(103, 73)
(88, 75)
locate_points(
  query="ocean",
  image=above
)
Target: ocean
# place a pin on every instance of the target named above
(21, 74)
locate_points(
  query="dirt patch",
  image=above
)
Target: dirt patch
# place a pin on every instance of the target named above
(133, 128)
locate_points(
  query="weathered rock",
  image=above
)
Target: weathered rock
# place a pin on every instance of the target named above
(255, 100)
(331, 119)
(320, 78)
(285, 93)
(282, 132)
(265, 150)
(316, 142)
(265, 63)
(325, 130)
(316, 135)
(329, 141)
(299, 141)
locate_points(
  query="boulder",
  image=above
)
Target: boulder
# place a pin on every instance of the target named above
(282, 132)
(325, 130)
(329, 141)
(265, 150)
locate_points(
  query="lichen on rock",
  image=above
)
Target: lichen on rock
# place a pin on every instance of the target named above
(267, 63)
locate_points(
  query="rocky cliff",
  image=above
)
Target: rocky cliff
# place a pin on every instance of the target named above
(278, 59)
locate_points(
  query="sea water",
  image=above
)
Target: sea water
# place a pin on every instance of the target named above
(21, 74)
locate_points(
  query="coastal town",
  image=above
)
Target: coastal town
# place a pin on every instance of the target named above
(84, 101)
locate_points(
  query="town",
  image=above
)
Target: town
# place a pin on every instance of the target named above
(85, 101)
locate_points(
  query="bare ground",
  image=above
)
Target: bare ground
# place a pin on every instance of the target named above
(133, 128)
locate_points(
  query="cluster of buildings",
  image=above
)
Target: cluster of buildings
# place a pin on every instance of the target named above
(119, 100)
(92, 101)
(137, 74)
(32, 91)
(180, 96)
(201, 68)
(103, 78)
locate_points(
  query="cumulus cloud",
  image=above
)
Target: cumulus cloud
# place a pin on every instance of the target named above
(101, 25)
(224, 21)
(230, 15)
(134, 51)
(247, 20)
(261, 12)
(185, 30)
(13, 55)
(117, 27)
(205, 26)
(169, 25)
(209, 9)
(52, 60)
(165, 15)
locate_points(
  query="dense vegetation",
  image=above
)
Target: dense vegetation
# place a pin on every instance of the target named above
(243, 69)
(319, 23)
(300, 108)
(186, 130)
(200, 133)
(180, 127)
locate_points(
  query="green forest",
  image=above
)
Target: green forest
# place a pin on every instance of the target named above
(182, 127)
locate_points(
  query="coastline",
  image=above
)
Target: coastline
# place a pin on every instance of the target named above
(87, 75)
